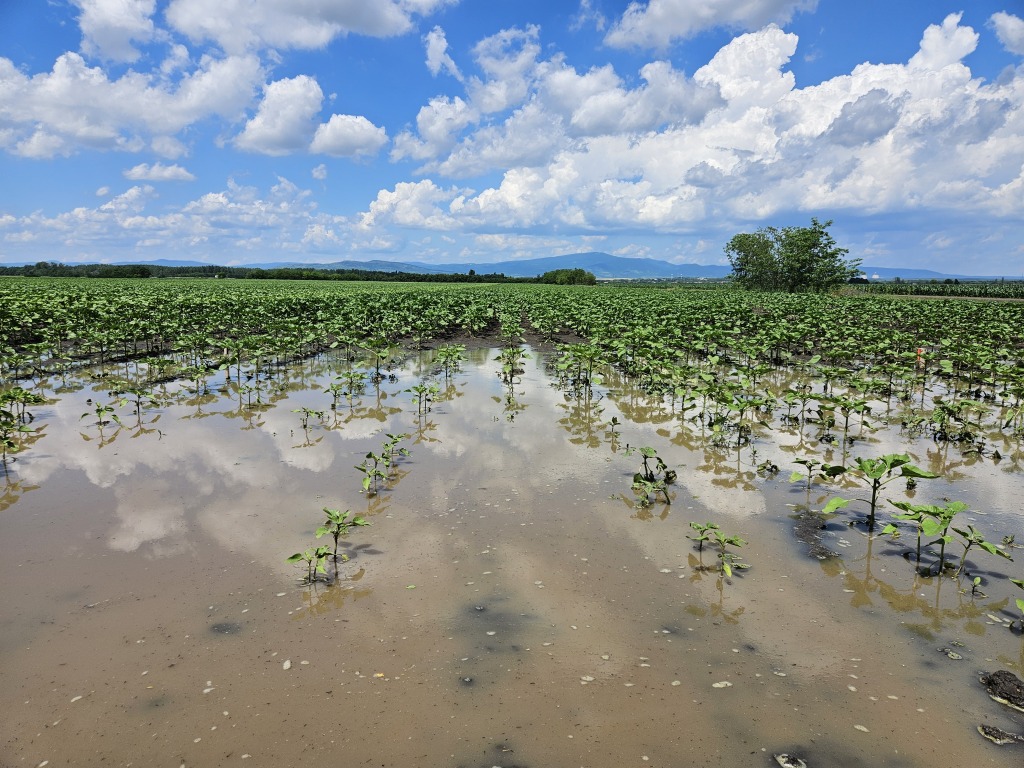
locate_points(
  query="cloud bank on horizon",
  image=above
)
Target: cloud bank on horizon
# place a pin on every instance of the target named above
(252, 131)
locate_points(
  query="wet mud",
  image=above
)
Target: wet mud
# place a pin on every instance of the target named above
(511, 603)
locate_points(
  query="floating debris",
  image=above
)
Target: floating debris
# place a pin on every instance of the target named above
(862, 728)
(790, 761)
(722, 684)
(999, 736)
(287, 664)
(1006, 688)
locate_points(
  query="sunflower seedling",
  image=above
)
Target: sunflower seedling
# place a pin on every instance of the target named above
(314, 561)
(704, 533)
(646, 483)
(337, 526)
(971, 537)
(1019, 601)
(876, 474)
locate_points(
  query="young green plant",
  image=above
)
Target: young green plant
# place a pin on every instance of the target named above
(875, 474)
(337, 526)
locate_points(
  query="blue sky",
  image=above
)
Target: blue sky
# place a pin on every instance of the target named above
(254, 131)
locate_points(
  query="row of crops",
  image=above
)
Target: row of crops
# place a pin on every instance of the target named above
(994, 289)
(687, 345)
(726, 367)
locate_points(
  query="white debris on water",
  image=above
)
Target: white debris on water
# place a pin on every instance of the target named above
(722, 684)
(287, 664)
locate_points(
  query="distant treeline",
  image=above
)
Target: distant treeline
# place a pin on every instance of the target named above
(53, 269)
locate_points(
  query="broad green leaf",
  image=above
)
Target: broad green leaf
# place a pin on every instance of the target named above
(835, 504)
(909, 470)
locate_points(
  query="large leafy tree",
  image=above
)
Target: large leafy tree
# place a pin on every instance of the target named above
(791, 259)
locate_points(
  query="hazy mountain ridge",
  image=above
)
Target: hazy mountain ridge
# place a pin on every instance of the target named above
(604, 266)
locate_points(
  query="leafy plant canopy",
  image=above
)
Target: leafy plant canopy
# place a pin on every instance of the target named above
(790, 259)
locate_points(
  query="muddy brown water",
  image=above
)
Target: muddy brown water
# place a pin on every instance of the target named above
(510, 605)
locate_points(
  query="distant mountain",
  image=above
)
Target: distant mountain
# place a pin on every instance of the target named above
(602, 265)
(170, 263)
(373, 266)
(889, 273)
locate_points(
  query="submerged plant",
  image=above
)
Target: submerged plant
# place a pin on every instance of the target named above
(704, 533)
(712, 533)
(815, 470)
(1020, 601)
(314, 561)
(450, 356)
(971, 537)
(305, 414)
(337, 525)
(423, 396)
(10, 429)
(875, 474)
(650, 481)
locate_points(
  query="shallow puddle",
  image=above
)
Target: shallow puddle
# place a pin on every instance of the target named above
(510, 605)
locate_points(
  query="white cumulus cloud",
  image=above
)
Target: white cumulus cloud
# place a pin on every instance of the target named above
(657, 23)
(111, 27)
(348, 136)
(75, 106)
(437, 54)
(286, 119)
(158, 172)
(244, 25)
(1010, 31)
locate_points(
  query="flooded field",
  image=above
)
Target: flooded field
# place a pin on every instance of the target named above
(513, 603)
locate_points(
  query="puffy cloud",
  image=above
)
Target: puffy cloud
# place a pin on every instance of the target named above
(283, 218)
(1010, 31)
(597, 103)
(320, 172)
(110, 27)
(75, 106)
(738, 141)
(748, 71)
(158, 172)
(243, 25)
(348, 136)
(945, 45)
(286, 118)
(507, 59)
(438, 124)
(530, 136)
(549, 105)
(410, 204)
(437, 54)
(659, 22)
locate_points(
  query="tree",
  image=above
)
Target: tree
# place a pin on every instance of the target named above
(568, 277)
(790, 259)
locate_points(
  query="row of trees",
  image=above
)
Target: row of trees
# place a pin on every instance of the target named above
(790, 259)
